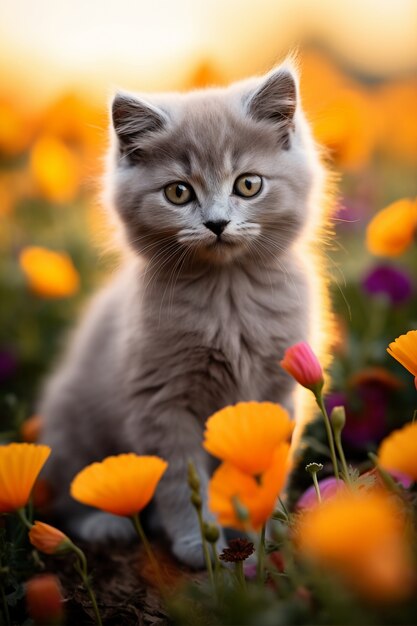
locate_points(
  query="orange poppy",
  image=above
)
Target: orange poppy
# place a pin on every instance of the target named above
(122, 485)
(392, 230)
(230, 486)
(361, 537)
(247, 434)
(55, 169)
(398, 451)
(50, 274)
(20, 464)
(404, 350)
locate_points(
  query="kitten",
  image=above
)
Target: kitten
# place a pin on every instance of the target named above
(215, 190)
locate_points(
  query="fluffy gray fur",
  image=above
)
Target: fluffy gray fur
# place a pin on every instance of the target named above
(192, 322)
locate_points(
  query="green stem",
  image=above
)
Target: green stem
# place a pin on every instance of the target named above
(81, 568)
(284, 508)
(205, 547)
(23, 518)
(319, 400)
(240, 575)
(316, 485)
(339, 446)
(261, 556)
(139, 529)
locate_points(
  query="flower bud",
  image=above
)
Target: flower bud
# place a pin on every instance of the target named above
(338, 418)
(193, 478)
(211, 532)
(48, 539)
(301, 362)
(196, 500)
(313, 468)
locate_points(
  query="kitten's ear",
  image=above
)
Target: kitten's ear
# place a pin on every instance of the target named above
(132, 119)
(275, 101)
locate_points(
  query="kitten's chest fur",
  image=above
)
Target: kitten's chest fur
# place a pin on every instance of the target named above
(216, 337)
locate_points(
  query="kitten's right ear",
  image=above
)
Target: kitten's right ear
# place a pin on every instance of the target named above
(133, 119)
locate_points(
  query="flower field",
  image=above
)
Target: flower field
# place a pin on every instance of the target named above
(341, 507)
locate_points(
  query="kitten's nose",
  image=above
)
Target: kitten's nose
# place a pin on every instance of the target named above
(217, 227)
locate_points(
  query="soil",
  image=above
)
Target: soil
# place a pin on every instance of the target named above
(124, 583)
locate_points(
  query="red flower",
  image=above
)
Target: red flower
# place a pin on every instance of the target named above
(301, 362)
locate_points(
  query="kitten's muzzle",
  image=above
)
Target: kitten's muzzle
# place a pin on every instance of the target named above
(217, 227)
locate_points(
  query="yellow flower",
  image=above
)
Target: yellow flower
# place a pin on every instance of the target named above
(229, 485)
(48, 539)
(404, 349)
(50, 274)
(392, 230)
(122, 485)
(361, 537)
(398, 451)
(247, 434)
(20, 464)
(55, 169)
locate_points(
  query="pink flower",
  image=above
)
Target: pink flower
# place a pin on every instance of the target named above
(301, 362)
(329, 487)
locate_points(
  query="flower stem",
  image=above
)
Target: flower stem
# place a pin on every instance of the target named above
(240, 575)
(205, 547)
(319, 400)
(284, 508)
(141, 533)
(81, 567)
(23, 518)
(339, 446)
(261, 555)
(316, 485)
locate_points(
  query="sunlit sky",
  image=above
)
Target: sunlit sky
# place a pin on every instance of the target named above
(153, 44)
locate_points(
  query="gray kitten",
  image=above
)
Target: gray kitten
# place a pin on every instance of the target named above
(216, 191)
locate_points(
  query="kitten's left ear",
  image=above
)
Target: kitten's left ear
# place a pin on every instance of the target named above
(275, 101)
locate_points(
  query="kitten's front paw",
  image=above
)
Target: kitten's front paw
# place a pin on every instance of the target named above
(189, 550)
(99, 527)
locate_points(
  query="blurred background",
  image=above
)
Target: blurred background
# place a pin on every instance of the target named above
(59, 63)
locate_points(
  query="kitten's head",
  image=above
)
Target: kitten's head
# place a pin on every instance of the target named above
(213, 175)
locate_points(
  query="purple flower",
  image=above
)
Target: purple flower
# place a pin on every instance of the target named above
(395, 284)
(8, 364)
(365, 405)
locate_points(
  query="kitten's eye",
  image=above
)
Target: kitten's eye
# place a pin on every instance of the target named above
(179, 193)
(247, 185)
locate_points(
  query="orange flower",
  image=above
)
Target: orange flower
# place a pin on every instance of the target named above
(404, 349)
(55, 169)
(44, 600)
(392, 230)
(229, 485)
(50, 274)
(122, 485)
(361, 537)
(247, 434)
(302, 364)
(48, 539)
(20, 464)
(398, 451)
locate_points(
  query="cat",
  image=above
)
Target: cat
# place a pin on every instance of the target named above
(217, 191)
